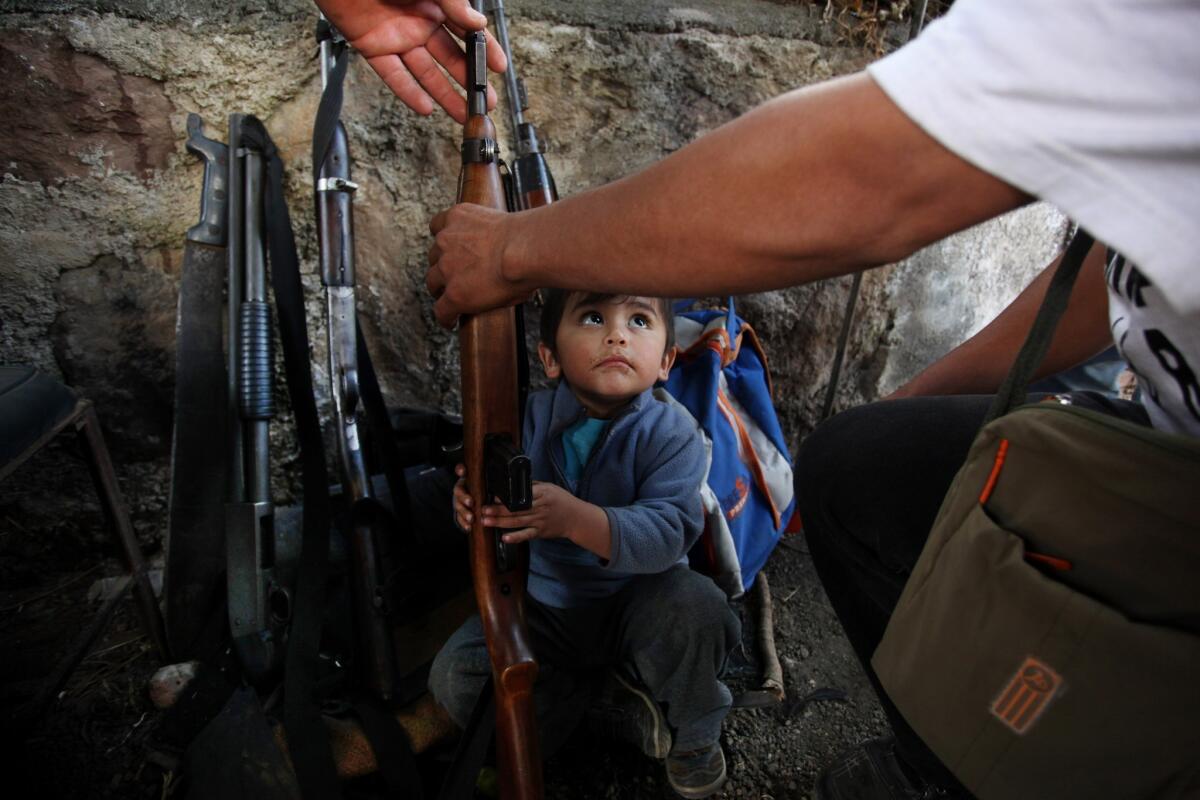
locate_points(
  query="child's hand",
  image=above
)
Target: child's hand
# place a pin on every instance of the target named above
(555, 514)
(462, 499)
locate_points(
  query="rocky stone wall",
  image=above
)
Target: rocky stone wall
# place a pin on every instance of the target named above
(97, 189)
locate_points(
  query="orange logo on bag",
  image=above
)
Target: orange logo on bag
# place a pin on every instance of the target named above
(737, 498)
(1026, 695)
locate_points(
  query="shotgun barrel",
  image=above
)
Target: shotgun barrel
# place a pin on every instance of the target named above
(335, 234)
(259, 605)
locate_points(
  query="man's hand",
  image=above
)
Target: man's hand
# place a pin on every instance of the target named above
(555, 514)
(405, 41)
(465, 272)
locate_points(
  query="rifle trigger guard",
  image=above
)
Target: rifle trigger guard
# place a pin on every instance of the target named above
(479, 151)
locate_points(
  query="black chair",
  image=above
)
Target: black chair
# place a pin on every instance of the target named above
(35, 408)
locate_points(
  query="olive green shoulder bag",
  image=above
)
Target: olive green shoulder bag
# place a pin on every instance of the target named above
(1047, 643)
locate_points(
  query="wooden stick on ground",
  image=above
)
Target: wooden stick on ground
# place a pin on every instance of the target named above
(772, 671)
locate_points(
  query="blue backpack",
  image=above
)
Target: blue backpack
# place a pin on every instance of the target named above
(720, 377)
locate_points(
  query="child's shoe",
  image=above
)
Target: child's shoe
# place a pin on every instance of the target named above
(624, 710)
(697, 773)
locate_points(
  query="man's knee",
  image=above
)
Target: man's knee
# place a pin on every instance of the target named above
(831, 450)
(837, 463)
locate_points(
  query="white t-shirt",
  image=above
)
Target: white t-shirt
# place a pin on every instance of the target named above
(1093, 105)
(1161, 345)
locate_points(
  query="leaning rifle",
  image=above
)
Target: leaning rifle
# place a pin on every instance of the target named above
(495, 465)
(529, 182)
(533, 185)
(335, 233)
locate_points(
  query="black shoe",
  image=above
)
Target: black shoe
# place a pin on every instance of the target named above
(697, 773)
(624, 710)
(872, 771)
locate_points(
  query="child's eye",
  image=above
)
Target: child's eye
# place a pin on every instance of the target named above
(639, 321)
(592, 318)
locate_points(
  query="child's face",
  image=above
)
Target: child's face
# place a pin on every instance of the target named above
(609, 351)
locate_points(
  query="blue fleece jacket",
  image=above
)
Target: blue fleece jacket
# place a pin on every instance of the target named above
(645, 472)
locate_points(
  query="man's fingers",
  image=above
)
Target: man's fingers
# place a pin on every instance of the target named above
(449, 54)
(426, 72)
(438, 222)
(496, 60)
(397, 77)
(460, 13)
(446, 315)
(435, 282)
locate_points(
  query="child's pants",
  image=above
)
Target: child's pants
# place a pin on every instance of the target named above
(671, 631)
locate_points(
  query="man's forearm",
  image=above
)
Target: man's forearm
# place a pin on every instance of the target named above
(980, 364)
(818, 182)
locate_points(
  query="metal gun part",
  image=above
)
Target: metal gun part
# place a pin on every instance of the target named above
(508, 474)
(335, 236)
(213, 196)
(259, 607)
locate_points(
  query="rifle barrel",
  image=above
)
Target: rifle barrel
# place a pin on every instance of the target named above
(512, 83)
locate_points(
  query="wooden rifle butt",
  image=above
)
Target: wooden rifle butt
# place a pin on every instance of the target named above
(516, 733)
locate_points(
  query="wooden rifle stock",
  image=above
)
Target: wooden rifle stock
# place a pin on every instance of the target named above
(491, 429)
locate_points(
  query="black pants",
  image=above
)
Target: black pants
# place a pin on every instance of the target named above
(671, 630)
(869, 483)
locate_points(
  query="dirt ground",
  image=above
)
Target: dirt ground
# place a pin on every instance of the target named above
(92, 742)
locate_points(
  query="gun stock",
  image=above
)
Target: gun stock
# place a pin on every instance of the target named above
(491, 422)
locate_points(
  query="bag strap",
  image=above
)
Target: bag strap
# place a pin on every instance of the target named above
(1015, 387)
(329, 110)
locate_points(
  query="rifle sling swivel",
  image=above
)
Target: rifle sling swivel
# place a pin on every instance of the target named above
(479, 151)
(336, 185)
